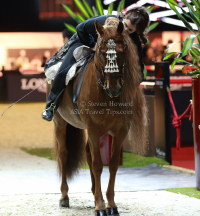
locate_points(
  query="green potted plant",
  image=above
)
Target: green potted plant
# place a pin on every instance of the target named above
(87, 12)
(190, 47)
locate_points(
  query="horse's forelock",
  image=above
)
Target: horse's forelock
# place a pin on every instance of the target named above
(111, 33)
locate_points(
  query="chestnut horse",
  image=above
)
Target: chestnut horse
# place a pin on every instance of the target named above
(110, 101)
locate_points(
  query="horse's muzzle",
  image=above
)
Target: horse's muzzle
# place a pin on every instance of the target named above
(114, 93)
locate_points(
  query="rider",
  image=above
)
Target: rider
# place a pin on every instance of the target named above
(135, 23)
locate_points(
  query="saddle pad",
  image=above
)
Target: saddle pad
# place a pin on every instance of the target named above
(80, 54)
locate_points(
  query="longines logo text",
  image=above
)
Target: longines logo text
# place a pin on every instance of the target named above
(33, 83)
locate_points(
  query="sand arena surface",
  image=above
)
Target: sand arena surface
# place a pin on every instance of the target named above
(14, 162)
(146, 203)
(22, 126)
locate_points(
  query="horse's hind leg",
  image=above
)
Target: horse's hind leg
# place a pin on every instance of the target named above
(89, 161)
(61, 152)
(113, 167)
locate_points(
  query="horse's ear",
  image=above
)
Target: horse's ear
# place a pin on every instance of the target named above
(120, 27)
(99, 27)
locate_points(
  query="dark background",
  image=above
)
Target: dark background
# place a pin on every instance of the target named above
(23, 16)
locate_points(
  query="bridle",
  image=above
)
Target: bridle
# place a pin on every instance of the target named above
(111, 44)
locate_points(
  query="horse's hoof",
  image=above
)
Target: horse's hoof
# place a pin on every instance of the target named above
(64, 203)
(112, 212)
(100, 213)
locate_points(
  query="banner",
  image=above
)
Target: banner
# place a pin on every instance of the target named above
(18, 85)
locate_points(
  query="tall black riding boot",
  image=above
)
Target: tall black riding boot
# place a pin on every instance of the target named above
(51, 105)
(59, 84)
(54, 97)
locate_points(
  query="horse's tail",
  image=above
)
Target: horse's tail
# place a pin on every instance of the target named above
(75, 150)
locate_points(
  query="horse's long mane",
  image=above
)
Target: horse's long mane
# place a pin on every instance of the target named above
(132, 93)
(132, 75)
(136, 111)
(134, 115)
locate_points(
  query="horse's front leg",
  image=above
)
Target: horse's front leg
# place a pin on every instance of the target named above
(97, 167)
(61, 151)
(113, 167)
(89, 161)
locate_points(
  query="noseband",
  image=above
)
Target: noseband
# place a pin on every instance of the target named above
(111, 65)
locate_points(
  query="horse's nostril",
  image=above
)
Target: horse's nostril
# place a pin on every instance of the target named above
(114, 93)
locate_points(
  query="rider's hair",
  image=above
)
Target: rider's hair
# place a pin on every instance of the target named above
(139, 17)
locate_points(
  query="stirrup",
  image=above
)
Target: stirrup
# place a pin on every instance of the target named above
(51, 111)
(53, 106)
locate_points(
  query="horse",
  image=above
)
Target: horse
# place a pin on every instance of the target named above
(110, 101)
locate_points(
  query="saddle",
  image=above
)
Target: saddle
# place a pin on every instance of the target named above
(81, 54)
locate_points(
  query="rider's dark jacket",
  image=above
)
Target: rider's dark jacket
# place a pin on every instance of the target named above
(87, 35)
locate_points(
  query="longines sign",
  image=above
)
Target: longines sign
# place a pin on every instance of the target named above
(19, 85)
(34, 83)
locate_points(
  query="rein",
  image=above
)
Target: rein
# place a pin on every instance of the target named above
(99, 78)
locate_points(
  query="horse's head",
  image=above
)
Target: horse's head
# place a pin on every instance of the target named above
(110, 57)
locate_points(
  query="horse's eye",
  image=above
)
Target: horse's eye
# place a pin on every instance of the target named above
(120, 50)
(102, 50)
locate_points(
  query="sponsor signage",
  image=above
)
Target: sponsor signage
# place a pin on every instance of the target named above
(19, 85)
